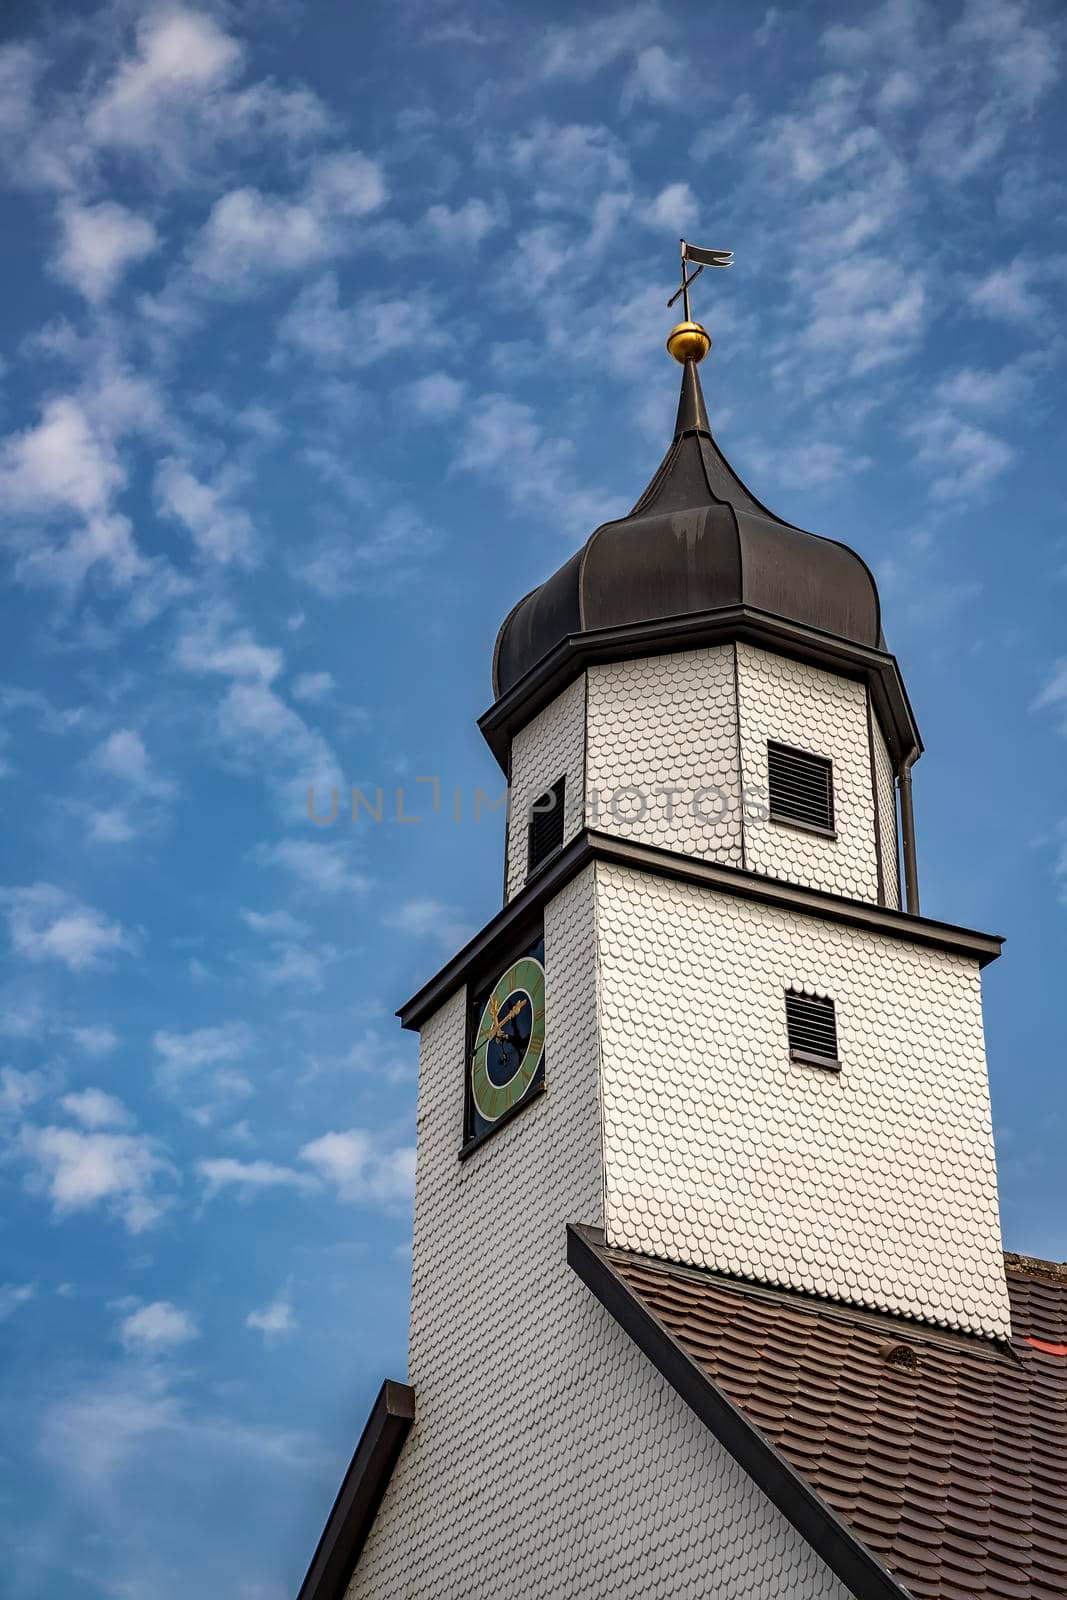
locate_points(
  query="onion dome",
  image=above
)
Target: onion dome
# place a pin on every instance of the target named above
(697, 541)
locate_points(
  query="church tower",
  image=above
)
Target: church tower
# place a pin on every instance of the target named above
(707, 1065)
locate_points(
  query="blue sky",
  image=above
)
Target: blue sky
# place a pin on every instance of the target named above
(327, 332)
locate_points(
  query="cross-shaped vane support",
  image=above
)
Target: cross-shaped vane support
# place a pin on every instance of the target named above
(706, 258)
(689, 341)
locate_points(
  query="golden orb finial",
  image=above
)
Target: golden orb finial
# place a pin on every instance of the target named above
(688, 341)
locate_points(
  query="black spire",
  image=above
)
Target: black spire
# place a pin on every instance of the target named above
(692, 412)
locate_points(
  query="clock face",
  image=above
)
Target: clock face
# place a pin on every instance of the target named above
(508, 1046)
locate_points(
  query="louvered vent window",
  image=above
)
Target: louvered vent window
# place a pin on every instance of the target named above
(812, 1028)
(801, 788)
(546, 824)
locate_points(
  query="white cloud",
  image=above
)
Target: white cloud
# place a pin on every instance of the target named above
(61, 464)
(99, 244)
(209, 642)
(276, 1320)
(253, 723)
(437, 394)
(81, 1170)
(325, 868)
(1008, 292)
(14, 1295)
(109, 825)
(541, 469)
(103, 1439)
(463, 228)
(20, 1090)
(569, 164)
(94, 1108)
(866, 311)
(382, 560)
(356, 1166)
(123, 756)
(1023, 56)
(675, 207)
(358, 335)
(47, 924)
(311, 688)
(426, 916)
(963, 459)
(180, 55)
(1054, 694)
(221, 531)
(157, 1327)
(578, 52)
(275, 924)
(250, 234)
(657, 77)
(95, 1039)
(185, 1060)
(249, 1177)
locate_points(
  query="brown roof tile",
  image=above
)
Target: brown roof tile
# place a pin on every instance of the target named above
(953, 1469)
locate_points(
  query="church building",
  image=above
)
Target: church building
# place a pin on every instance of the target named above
(709, 1297)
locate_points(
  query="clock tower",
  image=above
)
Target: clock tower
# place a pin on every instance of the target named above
(708, 1033)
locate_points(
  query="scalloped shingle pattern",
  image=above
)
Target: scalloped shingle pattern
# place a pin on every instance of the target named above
(551, 746)
(876, 1184)
(548, 1458)
(885, 785)
(666, 727)
(946, 1460)
(792, 703)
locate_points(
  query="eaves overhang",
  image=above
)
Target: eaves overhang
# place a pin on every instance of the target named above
(360, 1494)
(847, 1556)
(694, 631)
(476, 958)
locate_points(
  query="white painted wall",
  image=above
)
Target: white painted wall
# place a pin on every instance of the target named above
(548, 1459)
(875, 1185)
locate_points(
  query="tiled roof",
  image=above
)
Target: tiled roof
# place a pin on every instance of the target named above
(947, 1457)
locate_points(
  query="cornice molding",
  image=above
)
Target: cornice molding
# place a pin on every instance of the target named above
(514, 709)
(526, 908)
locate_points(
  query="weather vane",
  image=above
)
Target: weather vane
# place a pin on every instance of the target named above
(689, 341)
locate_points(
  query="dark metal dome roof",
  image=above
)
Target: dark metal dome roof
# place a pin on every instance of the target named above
(696, 541)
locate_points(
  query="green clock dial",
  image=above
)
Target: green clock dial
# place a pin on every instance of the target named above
(509, 1044)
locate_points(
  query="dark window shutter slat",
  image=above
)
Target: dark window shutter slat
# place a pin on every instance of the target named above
(546, 824)
(811, 1024)
(800, 787)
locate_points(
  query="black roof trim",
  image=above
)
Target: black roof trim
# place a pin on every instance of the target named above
(544, 681)
(360, 1494)
(846, 1556)
(524, 909)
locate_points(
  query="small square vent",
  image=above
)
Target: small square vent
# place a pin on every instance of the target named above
(546, 824)
(801, 788)
(812, 1028)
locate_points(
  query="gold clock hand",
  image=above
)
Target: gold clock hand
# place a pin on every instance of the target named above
(516, 1008)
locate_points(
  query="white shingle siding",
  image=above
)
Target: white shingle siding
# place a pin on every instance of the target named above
(887, 815)
(549, 1460)
(792, 703)
(666, 727)
(875, 1185)
(550, 746)
(671, 751)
